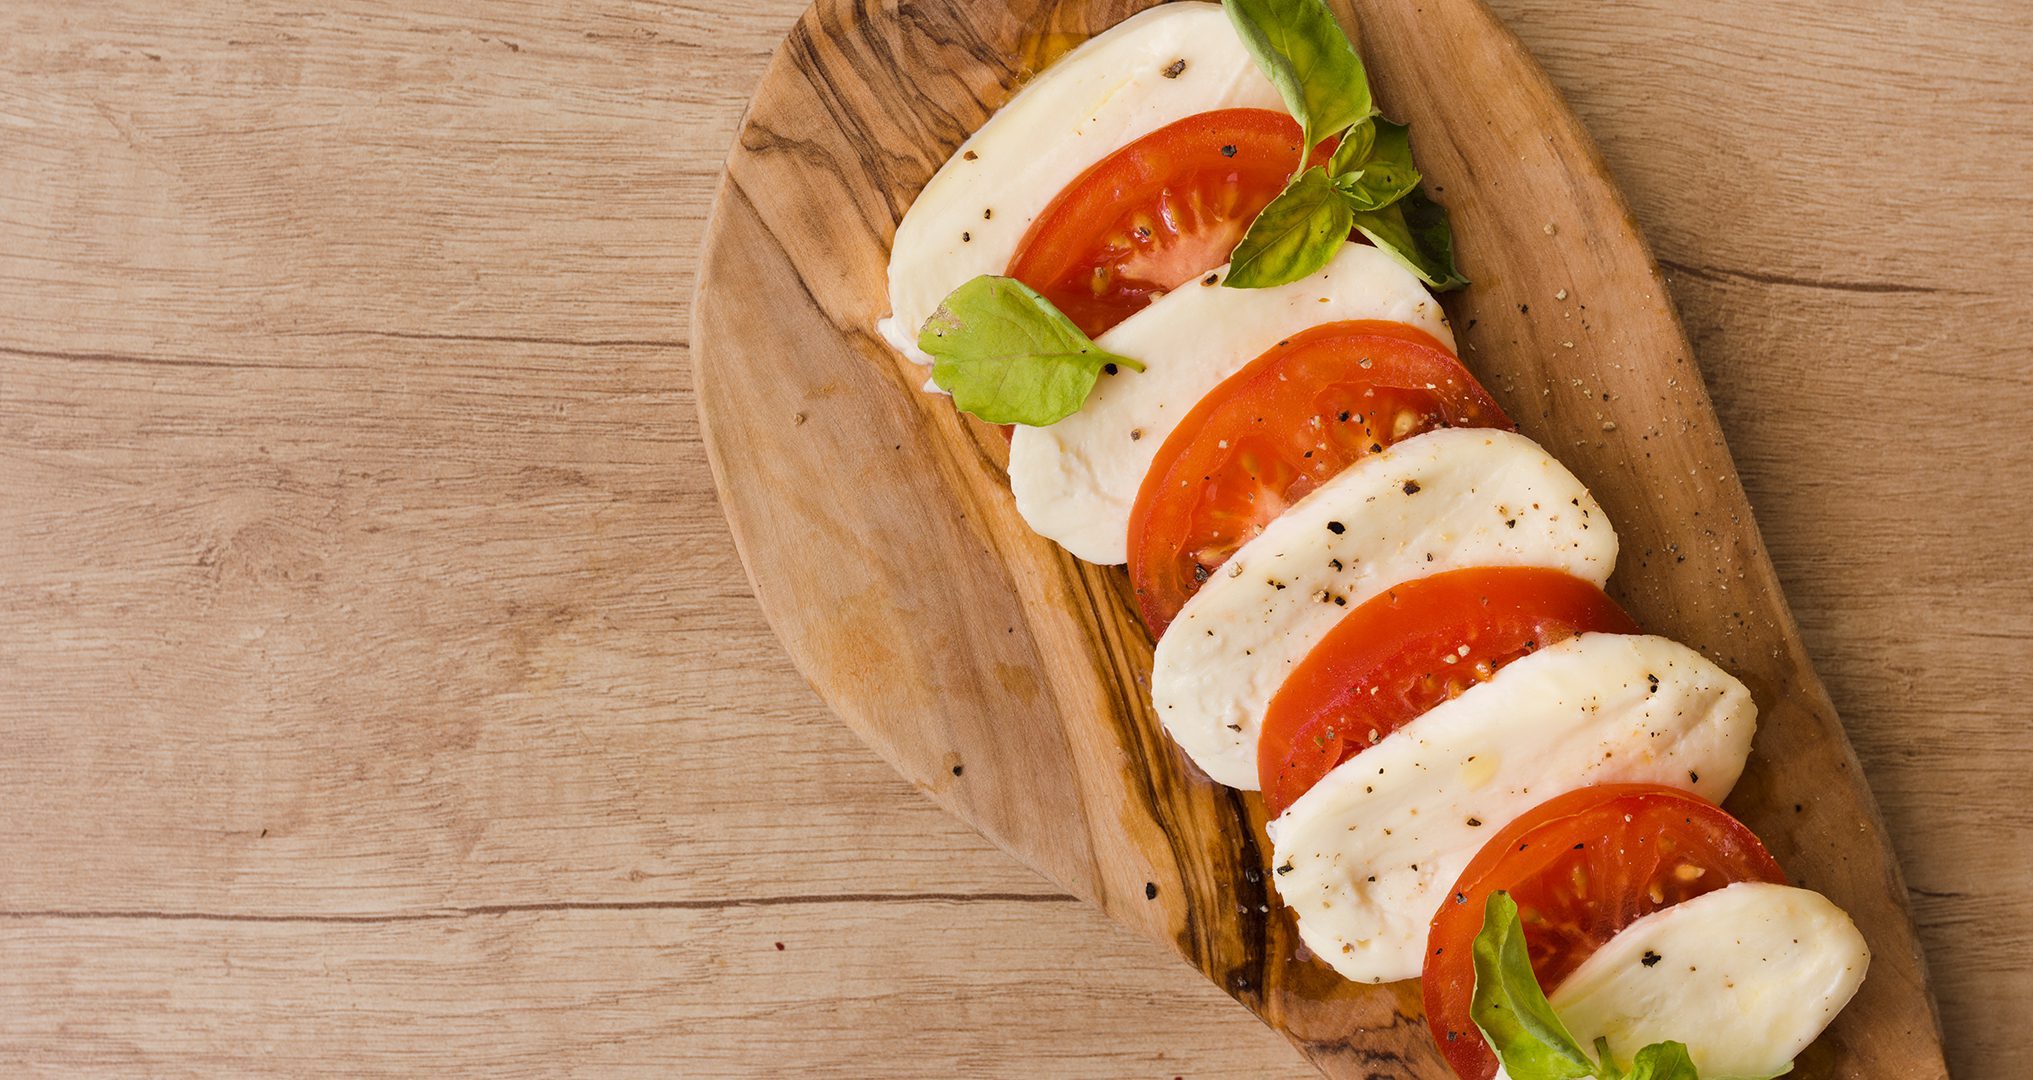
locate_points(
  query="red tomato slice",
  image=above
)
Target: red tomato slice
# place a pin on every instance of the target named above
(1581, 867)
(1277, 429)
(1157, 213)
(1412, 647)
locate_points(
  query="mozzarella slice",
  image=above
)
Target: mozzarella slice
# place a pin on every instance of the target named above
(1746, 976)
(1076, 480)
(1109, 92)
(1366, 857)
(1440, 501)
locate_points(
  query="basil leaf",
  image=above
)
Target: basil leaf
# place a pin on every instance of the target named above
(1385, 174)
(1356, 144)
(1414, 230)
(1304, 52)
(1510, 1008)
(1009, 357)
(1295, 235)
(1662, 1061)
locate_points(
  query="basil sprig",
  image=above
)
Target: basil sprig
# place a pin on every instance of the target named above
(1414, 231)
(1294, 236)
(1305, 54)
(1009, 357)
(1521, 1027)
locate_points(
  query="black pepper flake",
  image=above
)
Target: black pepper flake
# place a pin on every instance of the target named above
(1174, 69)
(1228, 151)
(1341, 601)
(1110, 368)
(1511, 523)
(1150, 890)
(1578, 847)
(988, 214)
(1287, 868)
(1336, 527)
(1459, 898)
(1475, 823)
(1210, 279)
(1650, 958)
(958, 769)
(1135, 434)
(1693, 777)
(1199, 573)
(1334, 564)
(966, 238)
(1411, 487)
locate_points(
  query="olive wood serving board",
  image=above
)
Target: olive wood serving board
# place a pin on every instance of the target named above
(1009, 681)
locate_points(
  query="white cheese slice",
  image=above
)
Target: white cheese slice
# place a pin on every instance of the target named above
(1441, 501)
(1365, 858)
(1076, 480)
(1100, 97)
(1746, 976)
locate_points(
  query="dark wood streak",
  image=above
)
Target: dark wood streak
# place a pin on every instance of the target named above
(1716, 273)
(557, 907)
(1152, 773)
(936, 623)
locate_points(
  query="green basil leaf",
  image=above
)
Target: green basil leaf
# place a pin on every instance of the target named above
(1510, 1008)
(1356, 144)
(1414, 230)
(1304, 52)
(1386, 173)
(1662, 1061)
(1009, 357)
(1295, 235)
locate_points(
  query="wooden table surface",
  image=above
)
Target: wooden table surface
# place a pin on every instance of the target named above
(379, 690)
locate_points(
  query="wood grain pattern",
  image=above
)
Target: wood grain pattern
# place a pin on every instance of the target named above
(336, 662)
(1030, 666)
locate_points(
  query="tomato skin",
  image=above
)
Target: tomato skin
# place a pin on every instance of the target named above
(1157, 213)
(1408, 649)
(1581, 867)
(1279, 427)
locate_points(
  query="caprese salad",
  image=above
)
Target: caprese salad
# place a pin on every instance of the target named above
(1192, 268)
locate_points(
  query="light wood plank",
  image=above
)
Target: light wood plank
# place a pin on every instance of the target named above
(739, 991)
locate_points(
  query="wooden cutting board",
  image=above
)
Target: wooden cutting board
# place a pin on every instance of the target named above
(1009, 681)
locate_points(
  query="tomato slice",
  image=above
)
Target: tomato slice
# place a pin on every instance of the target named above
(1157, 213)
(1408, 649)
(1581, 867)
(1275, 430)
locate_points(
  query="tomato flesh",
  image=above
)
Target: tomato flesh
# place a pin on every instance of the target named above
(1157, 213)
(1580, 867)
(1408, 649)
(1275, 430)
